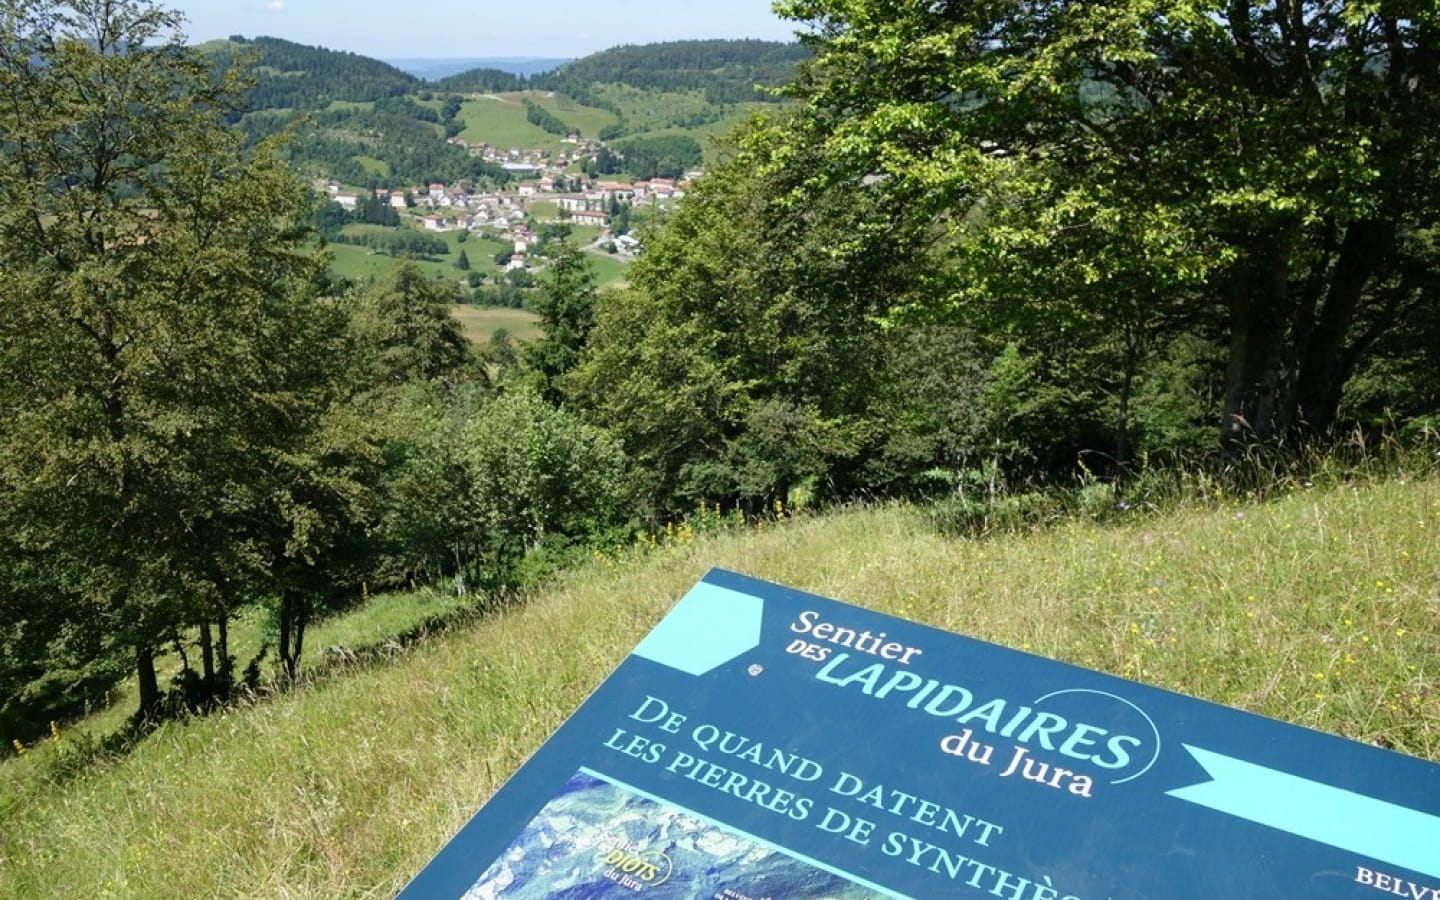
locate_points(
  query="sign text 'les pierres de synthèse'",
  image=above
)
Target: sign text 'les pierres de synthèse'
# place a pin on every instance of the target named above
(763, 743)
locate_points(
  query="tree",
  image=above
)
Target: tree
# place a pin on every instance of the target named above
(157, 285)
(496, 477)
(566, 306)
(406, 330)
(746, 362)
(1270, 166)
(462, 262)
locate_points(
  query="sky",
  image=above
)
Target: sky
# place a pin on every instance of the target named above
(434, 29)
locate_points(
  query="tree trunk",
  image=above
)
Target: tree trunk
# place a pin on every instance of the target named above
(222, 649)
(1324, 367)
(301, 620)
(207, 663)
(1261, 309)
(149, 685)
(294, 616)
(1251, 378)
(1127, 388)
(287, 659)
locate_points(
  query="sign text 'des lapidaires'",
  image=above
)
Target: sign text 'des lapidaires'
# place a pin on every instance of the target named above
(762, 743)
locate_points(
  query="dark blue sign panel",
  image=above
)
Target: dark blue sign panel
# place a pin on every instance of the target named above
(763, 743)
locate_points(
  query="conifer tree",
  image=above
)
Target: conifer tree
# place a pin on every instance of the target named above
(566, 305)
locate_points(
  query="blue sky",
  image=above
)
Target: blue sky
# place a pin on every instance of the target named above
(476, 28)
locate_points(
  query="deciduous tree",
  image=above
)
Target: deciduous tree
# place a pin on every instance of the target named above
(1274, 164)
(156, 280)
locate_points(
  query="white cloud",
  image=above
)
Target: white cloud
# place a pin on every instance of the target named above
(275, 6)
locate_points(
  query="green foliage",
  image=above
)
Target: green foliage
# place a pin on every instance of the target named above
(406, 331)
(397, 242)
(376, 210)
(330, 144)
(405, 107)
(1177, 400)
(666, 156)
(160, 337)
(495, 479)
(543, 118)
(565, 303)
(489, 81)
(730, 369)
(727, 71)
(1260, 172)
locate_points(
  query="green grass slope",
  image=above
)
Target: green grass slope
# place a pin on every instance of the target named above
(500, 120)
(1319, 608)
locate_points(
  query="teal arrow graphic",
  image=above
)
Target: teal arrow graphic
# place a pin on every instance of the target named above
(1309, 809)
(710, 626)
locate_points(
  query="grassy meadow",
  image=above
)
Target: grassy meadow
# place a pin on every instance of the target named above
(500, 121)
(1319, 608)
(365, 265)
(480, 322)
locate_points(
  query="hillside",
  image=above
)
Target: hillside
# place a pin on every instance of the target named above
(360, 121)
(725, 71)
(1317, 609)
(295, 76)
(687, 87)
(361, 124)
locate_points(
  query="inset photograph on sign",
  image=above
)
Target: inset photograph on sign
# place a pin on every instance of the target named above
(598, 840)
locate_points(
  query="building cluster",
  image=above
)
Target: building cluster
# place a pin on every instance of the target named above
(550, 190)
(442, 207)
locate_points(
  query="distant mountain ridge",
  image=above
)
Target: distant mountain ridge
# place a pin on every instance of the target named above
(298, 76)
(436, 69)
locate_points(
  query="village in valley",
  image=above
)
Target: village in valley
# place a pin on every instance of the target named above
(554, 190)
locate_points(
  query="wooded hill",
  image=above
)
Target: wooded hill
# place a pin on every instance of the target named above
(369, 121)
(295, 76)
(726, 71)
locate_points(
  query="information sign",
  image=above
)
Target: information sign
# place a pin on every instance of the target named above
(762, 743)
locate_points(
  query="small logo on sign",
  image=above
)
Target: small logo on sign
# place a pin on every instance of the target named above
(637, 869)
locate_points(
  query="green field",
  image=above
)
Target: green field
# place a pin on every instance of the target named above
(589, 120)
(499, 120)
(362, 264)
(480, 322)
(1316, 608)
(609, 270)
(377, 167)
(348, 105)
(654, 114)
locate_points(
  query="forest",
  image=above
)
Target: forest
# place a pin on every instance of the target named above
(983, 255)
(294, 76)
(725, 71)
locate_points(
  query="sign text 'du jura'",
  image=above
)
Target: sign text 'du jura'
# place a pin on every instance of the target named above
(761, 743)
